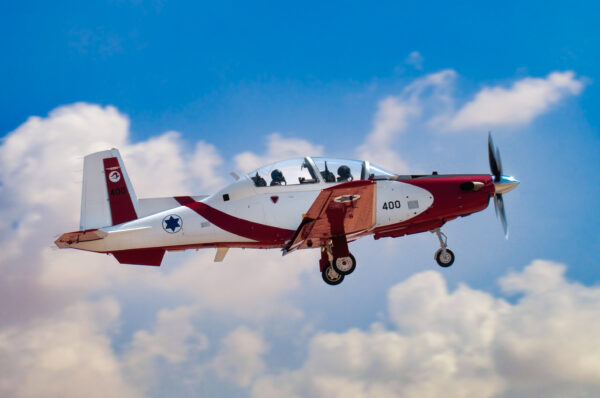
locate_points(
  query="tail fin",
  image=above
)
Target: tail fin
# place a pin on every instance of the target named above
(107, 196)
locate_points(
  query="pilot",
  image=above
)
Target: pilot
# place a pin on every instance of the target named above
(344, 174)
(327, 175)
(277, 178)
(259, 181)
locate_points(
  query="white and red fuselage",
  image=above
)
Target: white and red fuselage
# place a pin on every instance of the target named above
(305, 212)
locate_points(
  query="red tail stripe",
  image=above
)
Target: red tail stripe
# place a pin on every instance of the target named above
(121, 206)
(248, 229)
(184, 200)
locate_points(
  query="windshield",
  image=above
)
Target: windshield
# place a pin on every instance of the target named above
(339, 170)
(287, 172)
(376, 172)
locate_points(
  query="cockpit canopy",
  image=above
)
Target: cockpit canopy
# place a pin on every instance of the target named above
(316, 170)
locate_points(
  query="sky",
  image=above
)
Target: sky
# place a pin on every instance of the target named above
(189, 91)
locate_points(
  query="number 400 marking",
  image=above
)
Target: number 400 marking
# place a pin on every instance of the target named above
(391, 205)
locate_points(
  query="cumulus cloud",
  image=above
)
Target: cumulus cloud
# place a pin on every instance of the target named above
(430, 102)
(40, 190)
(239, 358)
(548, 344)
(250, 284)
(41, 166)
(55, 333)
(204, 165)
(174, 340)
(67, 355)
(462, 343)
(516, 105)
(396, 113)
(40, 171)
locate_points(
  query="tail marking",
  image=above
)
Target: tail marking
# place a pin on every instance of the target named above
(121, 206)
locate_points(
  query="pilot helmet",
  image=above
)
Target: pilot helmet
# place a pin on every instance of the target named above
(344, 172)
(277, 175)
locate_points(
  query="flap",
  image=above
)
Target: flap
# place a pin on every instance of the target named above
(341, 210)
(221, 252)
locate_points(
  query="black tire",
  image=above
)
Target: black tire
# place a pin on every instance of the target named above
(444, 257)
(348, 270)
(331, 276)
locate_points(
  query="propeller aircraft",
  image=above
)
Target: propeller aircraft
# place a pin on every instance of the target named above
(311, 202)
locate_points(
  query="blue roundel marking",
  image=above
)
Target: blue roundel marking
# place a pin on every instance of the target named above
(172, 223)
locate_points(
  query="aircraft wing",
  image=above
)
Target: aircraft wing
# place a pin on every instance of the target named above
(341, 210)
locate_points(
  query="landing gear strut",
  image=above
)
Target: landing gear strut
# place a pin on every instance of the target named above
(335, 268)
(443, 256)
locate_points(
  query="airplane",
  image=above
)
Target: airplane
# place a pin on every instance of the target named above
(303, 203)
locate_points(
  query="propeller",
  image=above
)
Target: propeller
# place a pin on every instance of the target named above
(502, 183)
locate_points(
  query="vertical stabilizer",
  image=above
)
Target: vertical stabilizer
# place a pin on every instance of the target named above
(107, 195)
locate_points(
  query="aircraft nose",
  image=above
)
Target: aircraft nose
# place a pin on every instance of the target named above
(506, 184)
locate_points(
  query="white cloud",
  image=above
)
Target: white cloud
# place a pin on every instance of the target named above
(67, 355)
(538, 278)
(516, 105)
(239, 358)
(441, 341)
(204, 165)
(548, 343)
(278, 148)
(464, 343)
(40, 171)
(415, 59)
(41, 165)
(250, 284)
(396, 113)
(44, 151)
(174, 340)
(163, 156)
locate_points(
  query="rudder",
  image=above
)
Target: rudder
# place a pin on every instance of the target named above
(107, 194)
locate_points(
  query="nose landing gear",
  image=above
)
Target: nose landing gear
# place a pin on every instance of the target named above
(443, 256)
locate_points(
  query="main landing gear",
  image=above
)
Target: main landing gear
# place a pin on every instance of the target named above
(443, 256)
(335, 268)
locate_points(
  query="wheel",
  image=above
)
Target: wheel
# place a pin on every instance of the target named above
(331, 276)
(444, 257)
(344, 265)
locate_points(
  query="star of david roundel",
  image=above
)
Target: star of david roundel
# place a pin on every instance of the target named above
(172, 223)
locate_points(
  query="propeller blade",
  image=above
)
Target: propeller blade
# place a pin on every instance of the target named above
(499, 206)
(502, 184)
(494, 155)
(496, 204)
(498, 161)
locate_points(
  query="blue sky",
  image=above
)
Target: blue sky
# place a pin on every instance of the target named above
(191, 91)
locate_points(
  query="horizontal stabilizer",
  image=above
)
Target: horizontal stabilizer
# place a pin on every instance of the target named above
(140, 256)
(70, 238)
